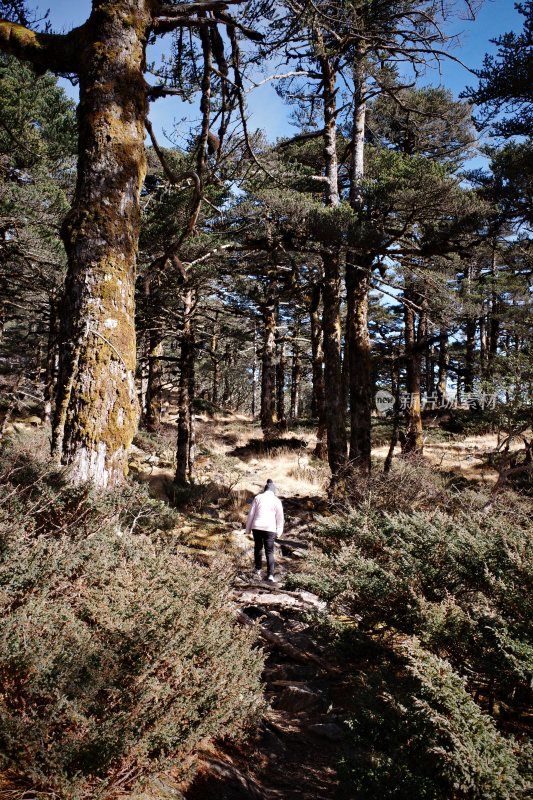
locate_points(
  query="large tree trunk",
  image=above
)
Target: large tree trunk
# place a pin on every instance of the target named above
(185, 443)
(96, 406)
(268, 383)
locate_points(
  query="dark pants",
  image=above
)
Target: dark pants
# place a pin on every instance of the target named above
(264, 539)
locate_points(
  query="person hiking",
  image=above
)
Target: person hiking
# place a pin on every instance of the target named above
(265, 520)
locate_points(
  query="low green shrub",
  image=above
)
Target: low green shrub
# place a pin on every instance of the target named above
(117, 655)
(462, 585)
(416, 734)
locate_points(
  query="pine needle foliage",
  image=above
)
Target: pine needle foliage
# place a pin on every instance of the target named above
(449, 599)
(117, 654)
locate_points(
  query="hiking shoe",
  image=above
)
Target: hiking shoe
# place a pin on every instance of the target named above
(271, 578)
(257, 574)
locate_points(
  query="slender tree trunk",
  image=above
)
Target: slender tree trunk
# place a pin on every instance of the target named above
(52, 357)
(214, 360)
(280, 382)
(254, 375)
(183, 454)
(443, 365)
(96, 407)
(318, 405)
(331, 326)
(226, 392)
(358, 276)
(470, 355)
(296, 372)
(395, 389)
(483, 344)
(357, 287)
(331, 323)
(414, 438)
(268, 374)
(152, 416)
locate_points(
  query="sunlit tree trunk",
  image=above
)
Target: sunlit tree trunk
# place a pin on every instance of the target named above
(96, 407)
(358, 275)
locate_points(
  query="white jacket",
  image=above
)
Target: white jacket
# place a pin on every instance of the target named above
(266, 514)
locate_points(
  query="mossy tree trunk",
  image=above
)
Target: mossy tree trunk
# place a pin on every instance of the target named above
(96, 406)
(96, 409)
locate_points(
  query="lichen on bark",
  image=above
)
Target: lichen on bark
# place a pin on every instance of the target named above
(96, 407)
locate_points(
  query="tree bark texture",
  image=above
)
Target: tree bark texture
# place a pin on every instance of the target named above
(414, 439)
(96, 405)
(152, 415)
(280, 382)
(268, 374)
(358, 276)
(296, 374)
(52, 357)
(470, 354)
(331, 326)
(443, 365)
(186, 389)
(360, 365)
(318, 405)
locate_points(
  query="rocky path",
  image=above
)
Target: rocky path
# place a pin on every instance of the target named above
(301, 737)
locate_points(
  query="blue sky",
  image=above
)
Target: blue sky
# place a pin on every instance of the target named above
(267, 110)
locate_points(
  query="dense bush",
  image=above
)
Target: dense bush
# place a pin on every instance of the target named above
(417, 734)
(462, 585)
(117, 655)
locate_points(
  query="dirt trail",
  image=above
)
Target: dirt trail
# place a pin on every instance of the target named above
(301, 737)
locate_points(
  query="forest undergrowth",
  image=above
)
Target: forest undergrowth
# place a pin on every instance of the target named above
(120, 652)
